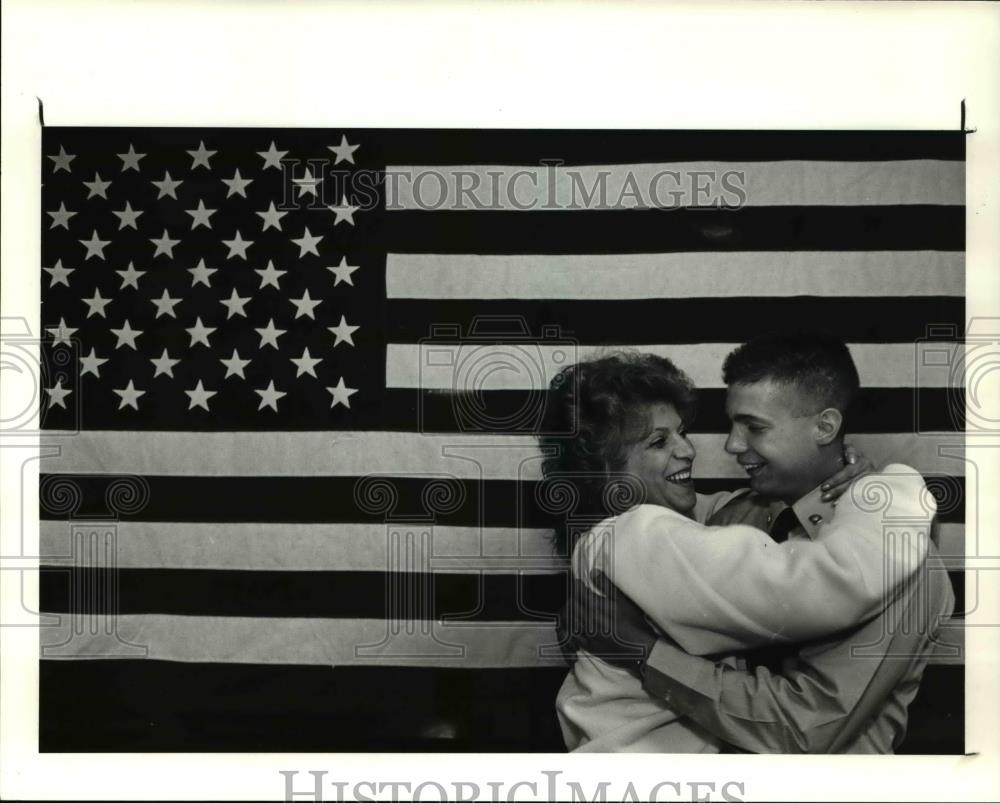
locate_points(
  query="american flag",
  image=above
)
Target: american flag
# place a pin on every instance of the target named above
(291, 501)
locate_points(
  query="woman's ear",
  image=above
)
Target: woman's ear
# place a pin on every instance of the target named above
(828, 425)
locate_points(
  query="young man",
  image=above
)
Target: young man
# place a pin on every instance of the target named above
(787, 400)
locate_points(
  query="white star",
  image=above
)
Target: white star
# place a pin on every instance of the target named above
(62, 160)
(127, 217)
(237, 184)
(306, 363)
(307, 184)
(167, 186)
(343, 332)
(344, 152)
(305, 305)
(130, 160)
(201, 215)
(126, 336)
(235, 304)
(343, 272)
(199, 396)
(269, 335)
(59, 274)
(237, 246)
(57, 395)
(61, 217)
(165, 305)
(96, 304)
(199, 333)
(95, 246)
(344, 212)
(272, 157)
(129, 396)
(341, 394)
(270, 275)
(164, 245)
(62, 333)
(272, 217)
(130, 276)
(164, 365)
(234, 365)
(201, 274)
(269, 396)
(201, 156)
(97, 187)
(92, 364)
(307, 243)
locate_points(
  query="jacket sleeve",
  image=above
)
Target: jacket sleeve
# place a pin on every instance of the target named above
(828, 699)
(726, 589)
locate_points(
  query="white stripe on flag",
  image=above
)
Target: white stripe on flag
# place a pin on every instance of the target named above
(530, 366)
(682, 275)
(324, 547)
(331, 642)
(299, 547)
(468, 457)
(672, 185)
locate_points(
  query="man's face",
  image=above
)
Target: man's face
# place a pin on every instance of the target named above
(662, 459)
(774, 439)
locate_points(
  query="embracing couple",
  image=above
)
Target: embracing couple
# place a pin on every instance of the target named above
(796, 615)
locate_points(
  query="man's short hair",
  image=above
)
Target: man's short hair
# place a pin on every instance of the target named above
(817, 363)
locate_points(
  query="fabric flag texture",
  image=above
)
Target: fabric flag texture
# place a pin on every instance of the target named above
(290, 498)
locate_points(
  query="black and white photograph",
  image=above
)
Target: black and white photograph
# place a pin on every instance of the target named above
(336, 429)
(500, 442)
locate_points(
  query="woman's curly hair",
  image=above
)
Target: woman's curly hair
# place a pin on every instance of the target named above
(593, 412)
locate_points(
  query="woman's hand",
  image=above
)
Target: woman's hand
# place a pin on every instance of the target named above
(856, 464)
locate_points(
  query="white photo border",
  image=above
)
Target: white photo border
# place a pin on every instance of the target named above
(714, 65)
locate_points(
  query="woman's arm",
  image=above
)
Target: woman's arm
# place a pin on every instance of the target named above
(828, 698)
(819, 705)
(724, 589)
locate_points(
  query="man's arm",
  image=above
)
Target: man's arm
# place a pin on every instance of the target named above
(757, 711)
(821, 706)
(834, 692)
(727, 589)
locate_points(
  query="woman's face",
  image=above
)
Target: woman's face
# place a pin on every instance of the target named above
(662, 459)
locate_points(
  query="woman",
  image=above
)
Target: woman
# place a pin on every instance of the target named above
(630, 461)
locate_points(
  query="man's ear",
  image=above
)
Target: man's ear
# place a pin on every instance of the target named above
(828, 425)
